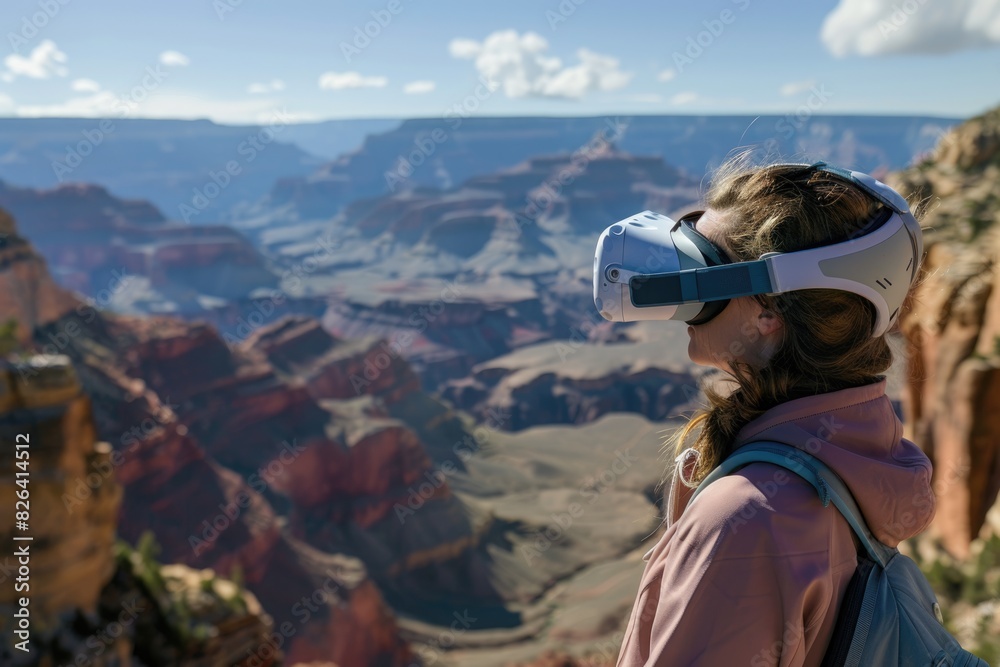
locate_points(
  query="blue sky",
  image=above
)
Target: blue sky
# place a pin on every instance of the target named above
(238, 61)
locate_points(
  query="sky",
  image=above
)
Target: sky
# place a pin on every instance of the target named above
(247, 61)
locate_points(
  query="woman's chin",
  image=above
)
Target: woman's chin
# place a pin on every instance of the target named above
(693, 353)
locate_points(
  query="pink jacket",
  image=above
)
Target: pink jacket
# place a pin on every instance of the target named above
(754, 571)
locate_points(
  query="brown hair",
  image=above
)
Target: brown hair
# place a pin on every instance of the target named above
(827, 342)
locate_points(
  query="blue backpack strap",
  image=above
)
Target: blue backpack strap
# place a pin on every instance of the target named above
(827, 483)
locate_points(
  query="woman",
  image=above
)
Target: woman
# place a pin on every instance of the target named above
(754, 572)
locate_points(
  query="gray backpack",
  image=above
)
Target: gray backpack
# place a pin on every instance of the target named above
(890, 615)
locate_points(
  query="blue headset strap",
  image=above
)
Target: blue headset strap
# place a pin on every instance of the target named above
(712, 283)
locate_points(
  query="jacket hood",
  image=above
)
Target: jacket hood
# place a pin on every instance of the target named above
(857, 434)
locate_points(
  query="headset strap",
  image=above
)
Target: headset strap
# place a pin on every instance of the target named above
(712, 283)
(878, 190)
(826, 482)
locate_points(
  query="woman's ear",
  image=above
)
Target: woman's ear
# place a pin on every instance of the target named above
(768, 323)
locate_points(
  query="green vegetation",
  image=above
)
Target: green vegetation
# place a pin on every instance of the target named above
(236, 602)
(973, 582)
(147, 569)
(974, 588)
(8, 337)
(192, 603)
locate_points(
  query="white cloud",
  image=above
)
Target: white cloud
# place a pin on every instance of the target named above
(99, 105)
(44, 60)
(5, 102)
(85, 86)
(667, 75)
(520, 64)
(342, 80)
(686, 97)
(272, 86)
(464, 49)
(164, 104)
(879, 27)
(174, 59)
(796, 87)
(418, 87)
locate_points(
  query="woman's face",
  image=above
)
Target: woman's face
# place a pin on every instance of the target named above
(743, 331)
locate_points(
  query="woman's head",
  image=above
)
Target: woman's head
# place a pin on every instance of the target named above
(784, 346)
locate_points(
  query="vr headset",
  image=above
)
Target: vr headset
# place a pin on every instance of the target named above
(650, 267)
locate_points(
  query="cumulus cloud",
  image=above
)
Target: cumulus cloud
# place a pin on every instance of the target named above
(520, 64)
(44, 60)
(85, 86)
(686, 97)
(272, 86)
(796, 87)
(667, 75)
(342, 80)
(418, 87)
(880, 27)
(5, 102)
(174, 59)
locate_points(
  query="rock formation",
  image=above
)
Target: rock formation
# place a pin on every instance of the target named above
(85, 602)
(27, 292)
(573, 382)
(153, 386)
(952, 326)
(439, 152)
(124, 252)
(455, 277)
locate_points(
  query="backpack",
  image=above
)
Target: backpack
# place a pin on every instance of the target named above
(889, 615)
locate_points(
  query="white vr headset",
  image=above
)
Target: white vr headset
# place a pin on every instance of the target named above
(650, 267)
